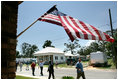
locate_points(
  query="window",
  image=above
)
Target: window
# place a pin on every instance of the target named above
(61, 57)
(56, 57)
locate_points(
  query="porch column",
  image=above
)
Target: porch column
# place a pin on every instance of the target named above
(38, 59)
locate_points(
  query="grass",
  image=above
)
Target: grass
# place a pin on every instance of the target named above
(64, 65)
(110, 65)
(61, 66)
(110, 62)
(23, 77)
(46, 65)
(85, 64)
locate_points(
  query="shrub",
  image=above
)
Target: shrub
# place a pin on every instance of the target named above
(67, 77)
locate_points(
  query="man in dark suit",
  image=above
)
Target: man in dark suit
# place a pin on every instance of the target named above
(51, 70)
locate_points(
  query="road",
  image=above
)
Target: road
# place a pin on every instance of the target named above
(90, 73)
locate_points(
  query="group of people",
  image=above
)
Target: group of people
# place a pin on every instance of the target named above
(50, 68)
(79, 67)
(20, 64)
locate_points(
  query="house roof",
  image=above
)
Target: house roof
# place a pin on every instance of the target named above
(48, 51)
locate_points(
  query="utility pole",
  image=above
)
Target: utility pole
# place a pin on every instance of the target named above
(113, 47)
(111, 22)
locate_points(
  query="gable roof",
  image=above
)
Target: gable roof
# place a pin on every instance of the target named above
(48, 51)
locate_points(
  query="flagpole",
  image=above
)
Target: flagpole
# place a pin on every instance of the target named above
(36, 21)
(27, 28)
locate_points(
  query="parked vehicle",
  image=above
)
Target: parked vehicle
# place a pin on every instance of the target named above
(98, 59)
(71, 61)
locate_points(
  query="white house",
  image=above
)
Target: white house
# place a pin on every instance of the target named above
(50, 53)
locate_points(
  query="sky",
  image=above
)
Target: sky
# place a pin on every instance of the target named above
(95, 13)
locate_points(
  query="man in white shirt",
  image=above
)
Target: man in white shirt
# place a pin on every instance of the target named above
(41, 67)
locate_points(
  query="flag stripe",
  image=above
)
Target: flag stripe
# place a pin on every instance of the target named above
(73, 27)
(68, 31)
(102, 35)
(55, 18)
(87, 29)
(68, 26)
(52, 16)
(93, 31)
(76, 34)
(84, 28)
(85, 36)
(97, 31)
(107, 37)
(51, 21)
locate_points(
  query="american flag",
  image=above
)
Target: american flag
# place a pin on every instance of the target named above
(74, 27)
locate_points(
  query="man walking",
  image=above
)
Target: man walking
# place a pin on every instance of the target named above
(79, 68)
(41, 67)
(21, 65)
(27, 65)
(51, 70)
(33, 68)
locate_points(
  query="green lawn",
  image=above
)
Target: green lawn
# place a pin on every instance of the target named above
(23, 77)
(110, 62)
(64, 65)
(61, 65)
(110, 65)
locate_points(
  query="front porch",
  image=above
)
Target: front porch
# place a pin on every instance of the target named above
(45, 58)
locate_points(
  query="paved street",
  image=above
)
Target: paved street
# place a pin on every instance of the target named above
(90, 73)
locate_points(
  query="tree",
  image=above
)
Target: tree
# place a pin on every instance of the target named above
(17, 54)
(112, 49)
(47, 43)
(94, 47)
(102, 45)
(28, 49)
(72, 46)
(109, 48)
(84, 51)
(25, 49)
(115, 49)
(34, 48)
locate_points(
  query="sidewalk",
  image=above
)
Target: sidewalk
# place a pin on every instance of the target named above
(29, 73)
